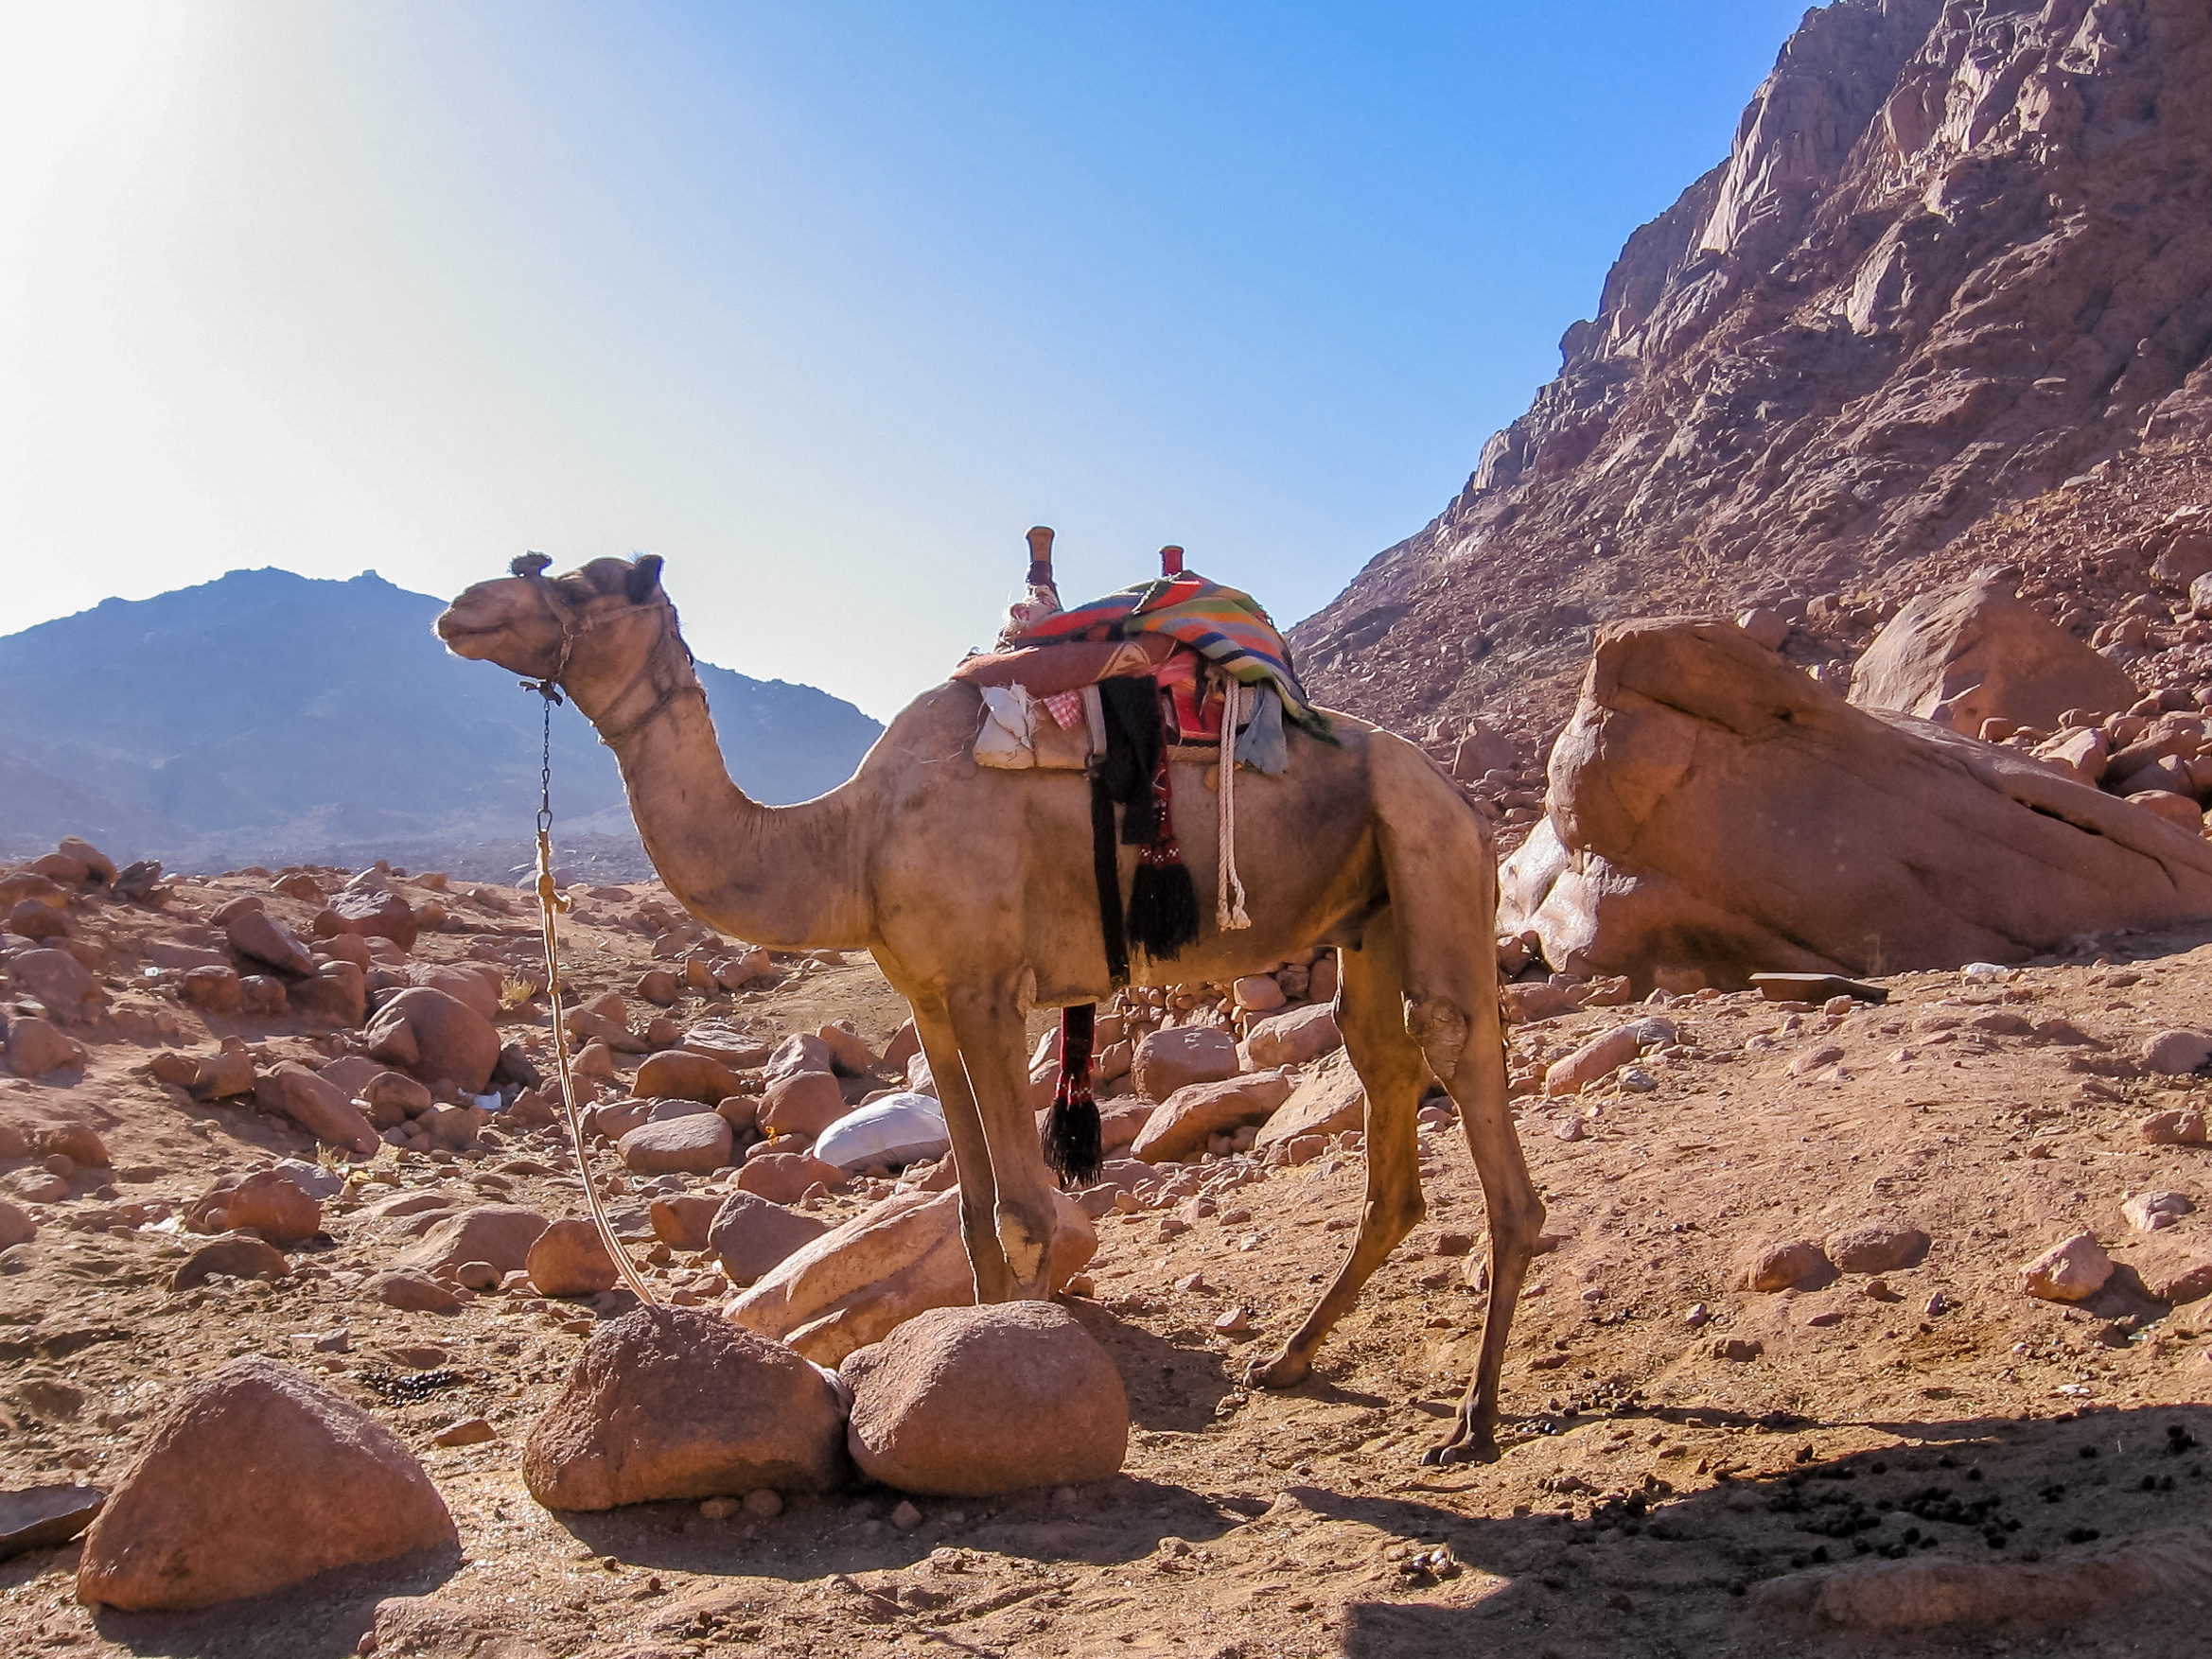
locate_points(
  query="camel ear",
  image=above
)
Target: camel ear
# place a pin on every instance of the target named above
(645, 579)
(528, 565)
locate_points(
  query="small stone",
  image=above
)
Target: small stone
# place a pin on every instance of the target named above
(2151, 1212)
(1779, 1266)
(1568, 1129)
(2176, 1053)
(1698, 1315)
(1194, 1283)
(2180, 1126)
(1234, 1322)
(763, 1503)
(410, 1291)
(238, 1257)
(470, 1431)
(716, 1508)
(1813, 1058)
(568, 1259)
(1879, 1248)
(1737, 1350)
(906, 1517)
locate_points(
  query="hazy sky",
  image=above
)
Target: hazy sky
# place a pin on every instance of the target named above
(826, 302)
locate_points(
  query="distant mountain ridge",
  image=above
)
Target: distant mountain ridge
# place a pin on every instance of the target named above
(268, 716)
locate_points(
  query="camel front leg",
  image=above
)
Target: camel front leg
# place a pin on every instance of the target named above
(994, 1278)
(987, 1024)
(1388, 1064)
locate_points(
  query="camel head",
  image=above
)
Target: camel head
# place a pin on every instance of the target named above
(585, 631)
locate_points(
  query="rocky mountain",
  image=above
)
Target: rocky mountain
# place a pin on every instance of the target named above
(266, 716)
(1957, 264)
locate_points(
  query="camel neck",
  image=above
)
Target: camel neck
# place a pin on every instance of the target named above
(787, 877)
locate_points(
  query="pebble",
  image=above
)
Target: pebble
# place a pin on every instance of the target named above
(719, 1508)
(469, 1432)
(906, 1517)
(1235, 1321)
(1636, 1080)
(1699, 1313)
(765, 1504)
(1196, 1281)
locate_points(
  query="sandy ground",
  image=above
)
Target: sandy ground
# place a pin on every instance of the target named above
(1958, 1469)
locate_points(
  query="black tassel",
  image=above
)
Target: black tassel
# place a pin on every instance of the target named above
(1163, 903)
(1072, 1145)
(1106, 878)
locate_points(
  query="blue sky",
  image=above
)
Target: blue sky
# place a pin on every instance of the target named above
(824, 304)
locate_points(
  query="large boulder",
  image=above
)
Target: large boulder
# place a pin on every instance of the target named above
(437, 1036)
(696, 1144)
(58, 980)
(1294, 1038)
(37, 1047)
(971, 1401)
(803, 1103)
(853, 1286)
(679, 1074)
(371, 907)
(498, 1234)
(253, 931)
(268, 1201)
(750, 1235)
(569, 1259)
(675, 1403)
(1182, 1055)
(1714, 812)
(1328, 1100)
(319, 1107)
(254, 1478)
(1181, 1125)
(1960, 655)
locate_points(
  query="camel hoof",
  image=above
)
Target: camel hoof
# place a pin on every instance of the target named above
(1282, 1372)
(1450, 1452)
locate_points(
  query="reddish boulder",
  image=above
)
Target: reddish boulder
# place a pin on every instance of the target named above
(801, 1052)
(291, 1091)
(16, 1227)
(783, 1177)
(257, 934)
(1960, 655)
(696, 1144)
(1294, 1037)
(1715, 812)
(973, 1401)
(749, 1234)
(501, 1234)
(235, 1256)
(1779, 1266)
(1879, 1248)
(254, 1478)
(265, 1202)
(1181, 1125)
(60, 983)
(1328, 1100)
(337, 991)
(804, 1103)
(569, 1259)
(1182, 1055)
(374, 912)
(679, 1074)
(38, 1047)
(681, 1221)
(437, 1036)
(675, 1403)
(98, 866)
(2072, 1271)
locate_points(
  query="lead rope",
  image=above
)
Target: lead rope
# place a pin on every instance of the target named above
(1229, 895)
(551, 903)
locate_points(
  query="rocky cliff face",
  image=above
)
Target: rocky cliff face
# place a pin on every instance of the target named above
(1959, 254)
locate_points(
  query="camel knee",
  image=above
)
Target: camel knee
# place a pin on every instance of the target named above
(1393, 1214)
(1441, 1027)
(1517, 1224)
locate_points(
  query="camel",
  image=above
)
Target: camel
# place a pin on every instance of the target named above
(973, 890)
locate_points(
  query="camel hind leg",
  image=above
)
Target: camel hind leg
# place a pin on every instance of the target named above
(1443, 878)
(1371, 1015)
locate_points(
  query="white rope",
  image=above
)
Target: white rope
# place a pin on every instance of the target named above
(1229, 911)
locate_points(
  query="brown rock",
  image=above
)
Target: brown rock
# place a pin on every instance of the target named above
(293, 1091)
(1715, 812)
(1181, 1125)
(337, 991)
(66, 988)
(682, 1220)
(78, 1142)
(2069, 1271)
(2176, 1053)
(660, 988)
(698, 1144)
(1181, 1055)
(857, 1281)
(1595, 1059)
(225, 1073)
(257, 934)
(299, 884)
(683, 1075)
(238, 1256)
(501, 1234)
(437, 1036)
(905, 1044)
(569, 1259)
(2176, 1127)
(1878, 1248)
(265, 1202)
(475, 988)
(1258, 993)
(849, 1054)
(16, 1227)
(1291, 1039)
(2155, 1211)
(372, 912)
(37, 1048)
(411, 1292)
(674, 1402)
(801, 1052)
(254, 1478)
(98, 866)
(783, 1178)
(973, 1401)
(1328, 1100)
(1779, 1266)
(33, 921)
(1964, 654)
(1541, 1000)
(750, 1236)
(214, 990)
(803, 1103)
(2174, 1267)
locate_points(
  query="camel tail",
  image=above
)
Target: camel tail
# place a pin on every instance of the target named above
(1072, 1146)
